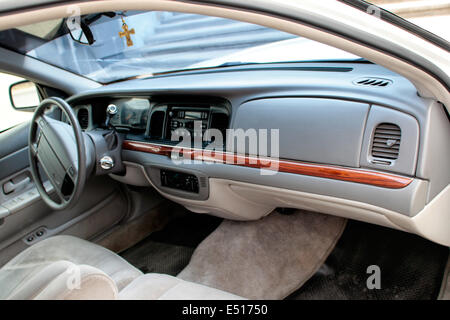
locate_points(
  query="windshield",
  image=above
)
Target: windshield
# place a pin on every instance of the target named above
(142, 43)
(156, 42)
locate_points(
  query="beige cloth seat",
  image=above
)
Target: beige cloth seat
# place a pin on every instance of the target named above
(65, 267)
(55, 260)
(154, 286)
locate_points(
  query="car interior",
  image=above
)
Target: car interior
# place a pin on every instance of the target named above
(200, 177)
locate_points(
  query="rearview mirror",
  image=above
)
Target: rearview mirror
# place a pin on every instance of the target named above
(24, 95)
(80, 32)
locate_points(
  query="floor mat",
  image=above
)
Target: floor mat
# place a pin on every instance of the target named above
(168, 251)
(265, 259)
(411, 267)
(156, 257)
(444, 293)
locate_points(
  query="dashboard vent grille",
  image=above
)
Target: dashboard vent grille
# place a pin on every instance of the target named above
(203, 182)
(373, 82)
(83, 118)
(386, 141)
(157, 124)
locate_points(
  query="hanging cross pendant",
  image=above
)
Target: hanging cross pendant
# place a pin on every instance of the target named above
(126, 33)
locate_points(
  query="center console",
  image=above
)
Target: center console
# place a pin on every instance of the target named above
(159, 120)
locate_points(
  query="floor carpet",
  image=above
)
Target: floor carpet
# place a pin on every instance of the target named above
(168, 251)
(410, 266)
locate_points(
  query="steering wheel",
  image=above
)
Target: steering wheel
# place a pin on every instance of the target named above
(59, 148)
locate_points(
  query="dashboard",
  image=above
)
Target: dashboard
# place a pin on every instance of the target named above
(349, 139)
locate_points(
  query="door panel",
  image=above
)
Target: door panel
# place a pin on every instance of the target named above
(25, 219)
(13, 150)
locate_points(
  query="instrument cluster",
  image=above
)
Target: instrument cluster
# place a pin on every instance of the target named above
(132, 113)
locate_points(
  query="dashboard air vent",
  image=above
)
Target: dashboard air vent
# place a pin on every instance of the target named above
(202, 182)
(157, 124)
(83, 118)
(373, 82)
(386, 141)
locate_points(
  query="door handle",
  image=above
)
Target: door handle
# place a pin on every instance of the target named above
(10, 186)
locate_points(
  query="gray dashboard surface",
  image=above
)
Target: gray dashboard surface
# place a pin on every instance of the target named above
(240, 84)
(246, 86)
(326, 80)
(310, 129)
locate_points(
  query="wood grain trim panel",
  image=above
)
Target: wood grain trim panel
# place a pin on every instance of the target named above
(375, 178)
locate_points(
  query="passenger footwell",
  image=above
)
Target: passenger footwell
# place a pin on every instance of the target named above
(410, 267)
(265, 259)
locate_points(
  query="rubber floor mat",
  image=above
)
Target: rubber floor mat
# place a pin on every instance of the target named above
(410, 266)
(168, 251)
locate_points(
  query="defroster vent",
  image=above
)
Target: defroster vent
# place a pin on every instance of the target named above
(386, 141)
(373, 82)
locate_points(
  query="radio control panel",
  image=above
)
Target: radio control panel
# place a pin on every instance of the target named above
(174, 121)
(190, 119)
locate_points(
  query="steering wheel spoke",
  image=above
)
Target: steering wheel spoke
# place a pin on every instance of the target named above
(33, 148)
(51, 178)
(56, 189)
(61, 197)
